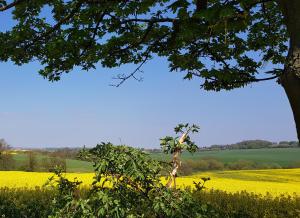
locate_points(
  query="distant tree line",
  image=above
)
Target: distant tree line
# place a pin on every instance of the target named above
(35, 160)
(246, 144)
(256, 144)
(37, 163)
(65, 152)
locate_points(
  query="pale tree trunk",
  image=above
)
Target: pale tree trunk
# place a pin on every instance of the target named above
(176, 163)
(290, 79)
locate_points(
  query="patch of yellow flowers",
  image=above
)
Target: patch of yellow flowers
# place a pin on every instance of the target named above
(274, 181)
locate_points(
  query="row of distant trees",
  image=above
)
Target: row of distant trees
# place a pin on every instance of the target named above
(32, 162)
(257, 144)
(45, 164)
(246, 144)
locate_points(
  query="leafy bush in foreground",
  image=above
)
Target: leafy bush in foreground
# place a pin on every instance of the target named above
(127, 184)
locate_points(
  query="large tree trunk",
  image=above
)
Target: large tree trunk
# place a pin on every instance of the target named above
(291, 85)
(290, 80)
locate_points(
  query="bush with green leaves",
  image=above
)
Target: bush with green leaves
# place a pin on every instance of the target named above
(127, 183)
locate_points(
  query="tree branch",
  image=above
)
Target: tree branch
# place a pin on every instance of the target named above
(123, 78)
(56, 26)
(13, 4)
(130, 46)
(201, 5)
(258, 2)
(95, 29)
(264, 79)
(246, 80)
(153, 20)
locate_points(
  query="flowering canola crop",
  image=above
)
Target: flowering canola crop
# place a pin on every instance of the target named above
(274, 181)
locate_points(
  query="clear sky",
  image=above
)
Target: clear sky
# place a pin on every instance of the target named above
(82, 109)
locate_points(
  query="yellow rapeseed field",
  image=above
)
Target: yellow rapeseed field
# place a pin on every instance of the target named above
(276, 181)
(18, 179)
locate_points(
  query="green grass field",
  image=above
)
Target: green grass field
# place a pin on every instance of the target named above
(72, 165)
(79, 166)
(282, 156)
(285, 157)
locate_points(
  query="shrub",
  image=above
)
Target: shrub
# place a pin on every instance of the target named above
(25, 202)
(241, 165)
(127, 184)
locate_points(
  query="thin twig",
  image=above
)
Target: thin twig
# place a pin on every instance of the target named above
(123, 78)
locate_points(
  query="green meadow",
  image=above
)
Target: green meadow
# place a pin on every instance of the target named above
(282, 156)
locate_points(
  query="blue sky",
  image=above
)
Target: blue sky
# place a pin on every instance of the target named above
(82, 109)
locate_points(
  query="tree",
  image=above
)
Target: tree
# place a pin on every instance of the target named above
(3, 146)
(32, 161)
(176, 146)
(7, 161)
(225, 43)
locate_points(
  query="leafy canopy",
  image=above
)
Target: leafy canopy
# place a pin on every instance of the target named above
(215, 40)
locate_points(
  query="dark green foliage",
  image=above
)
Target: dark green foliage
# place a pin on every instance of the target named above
(225, 43)
(123, 165)
(212, 41)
